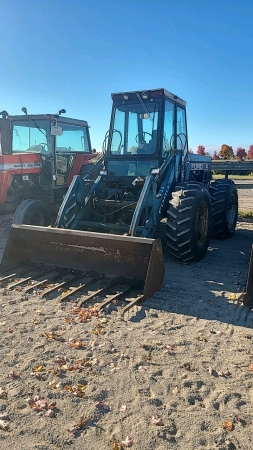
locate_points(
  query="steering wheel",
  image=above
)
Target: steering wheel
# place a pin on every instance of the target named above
(143, 134)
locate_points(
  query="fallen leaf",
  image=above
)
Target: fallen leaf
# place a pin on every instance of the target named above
(77, 390)
(80, 425)
(42, 406)
(233, 297)
(66, 292)
(35, 320)
(53, 335)
(228, 425)
(117, 446)
(170, 348)
(13, 374)
(128, 442)
(202, 338)
(87, 364)
(75, 343)
(176, 390)
(54, 385)
(4, 425)
(38, 369)
(156, 420)
(98, 330)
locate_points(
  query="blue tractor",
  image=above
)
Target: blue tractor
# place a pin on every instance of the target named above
(149, 187)
(150, 177)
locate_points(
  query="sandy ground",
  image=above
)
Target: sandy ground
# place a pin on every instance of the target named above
(174, 373)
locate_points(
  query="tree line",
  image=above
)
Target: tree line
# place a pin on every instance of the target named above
(227, 152)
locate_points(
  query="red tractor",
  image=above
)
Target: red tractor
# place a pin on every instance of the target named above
(39, 156)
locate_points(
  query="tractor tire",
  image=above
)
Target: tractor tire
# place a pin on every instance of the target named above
(189, 221)
(32, 212)
(224, 199)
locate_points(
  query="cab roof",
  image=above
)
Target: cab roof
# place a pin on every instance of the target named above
(151, 93)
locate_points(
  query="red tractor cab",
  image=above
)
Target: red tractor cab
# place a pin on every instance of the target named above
(39, 156)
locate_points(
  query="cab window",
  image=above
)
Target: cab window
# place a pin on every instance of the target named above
(28, 137)
(73, 139)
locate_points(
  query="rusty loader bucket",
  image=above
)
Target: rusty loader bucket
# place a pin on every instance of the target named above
(112, 255)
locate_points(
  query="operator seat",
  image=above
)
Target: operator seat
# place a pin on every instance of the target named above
(145, 148)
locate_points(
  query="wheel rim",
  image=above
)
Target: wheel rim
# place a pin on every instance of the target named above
(36, 219)
(231, 211)
(202, 222)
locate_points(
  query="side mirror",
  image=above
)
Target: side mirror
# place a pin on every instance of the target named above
(56, 131)
(94, 150)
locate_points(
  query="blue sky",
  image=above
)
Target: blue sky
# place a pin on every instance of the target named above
(73, 53)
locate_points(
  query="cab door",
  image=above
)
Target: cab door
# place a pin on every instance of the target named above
(70, 146)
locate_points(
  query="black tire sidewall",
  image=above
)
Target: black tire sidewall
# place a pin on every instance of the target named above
(182, 239)
(221, 228)
(200, 250)
(230, 230)
(29, 208)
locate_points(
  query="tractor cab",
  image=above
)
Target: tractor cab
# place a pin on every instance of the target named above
(146, 127)
(56, 145)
